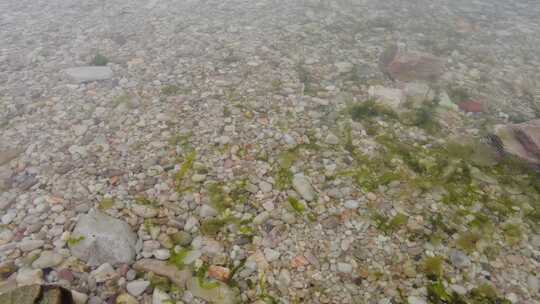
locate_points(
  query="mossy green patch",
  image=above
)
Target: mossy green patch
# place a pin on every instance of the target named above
(177, 257)
(106, 203)
(170, 90)
(99, 60)
(388, 225)
(370, 109)
(72, 241)
(512, 233)
(184, 169)
(433, 266)
(297, 206)
(468, 240)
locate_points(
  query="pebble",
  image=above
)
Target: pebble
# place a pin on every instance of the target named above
(162, 254)
(271, 255)
(136, 288)
(352, 204)
(29, 245)
(48, 259)
(331, 139)
(416, 300)
(26, 276)
(344, 267)
(303, 186)
(103, 273)
(144, 211)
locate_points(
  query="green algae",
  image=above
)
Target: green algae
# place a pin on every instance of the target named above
(433, 266)
(387, 224)
(297, 206)
(185, 167)
(72, 241)
(99, 60)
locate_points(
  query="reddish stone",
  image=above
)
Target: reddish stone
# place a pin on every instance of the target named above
(415, 66)
(66, 274)
(219, 273)
(471, 106)
(299, 261)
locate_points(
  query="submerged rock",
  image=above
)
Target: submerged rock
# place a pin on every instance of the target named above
(34, 294)
(162, 268)
(89, 73)
(103, 238)
(413, 66)
(302, 185)
(472, 106)
(218, 293)
(521, 140)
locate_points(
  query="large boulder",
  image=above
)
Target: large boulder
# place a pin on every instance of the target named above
(521, 140)
(100, 238)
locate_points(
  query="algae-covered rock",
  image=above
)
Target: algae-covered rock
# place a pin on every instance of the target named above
(217, 293)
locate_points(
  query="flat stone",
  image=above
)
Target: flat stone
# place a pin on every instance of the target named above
(162, 254)
(344, 267)
(160, 297)
(48, 259)
(144, 211)
(26, 276)
(104, 239)
(126, 298)
(331, 139)
(415, 66)
(352, 204)
(136, 288)
(521, 140)
(7, 155)
(220, 294)
(162, 268)
(303, 186)
(89, 73)
(271, 254)
(459, 259)
(29, 245)
(21, 295)
(103, 273)
(388, 96)
(416, 300)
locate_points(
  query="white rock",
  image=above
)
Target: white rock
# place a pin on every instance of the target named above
(352, 204)
(389, 96)
(79, 297)
(8, 217)
(331, 139)
(416, 300)
(162, 254)
(104, 239)
(26, 276)
(136, 288)
(303, 186)
(144, 211)
(533, 283)
(222, 294)
(207, 211)
(271, 254)
(289, 140)
(265, 187)
(160, 297)
(48, 259)
(89, 73)
(103, 273)
(344, 67)
(344, 267)
(29, 245)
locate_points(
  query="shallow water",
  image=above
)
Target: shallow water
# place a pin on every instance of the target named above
(313, 143)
